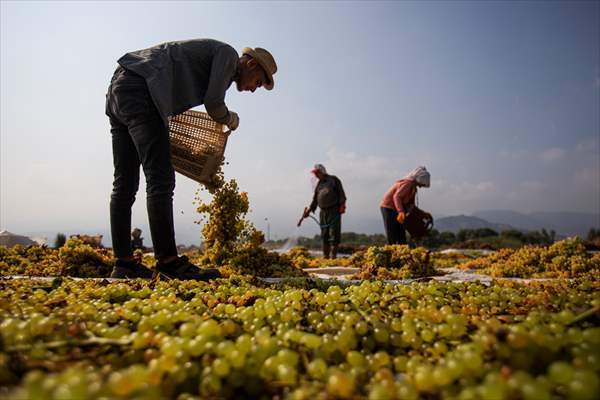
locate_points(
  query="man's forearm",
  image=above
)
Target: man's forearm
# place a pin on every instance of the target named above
(219, 112)
(222, 71)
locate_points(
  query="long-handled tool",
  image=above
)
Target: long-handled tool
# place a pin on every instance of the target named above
(304, 213)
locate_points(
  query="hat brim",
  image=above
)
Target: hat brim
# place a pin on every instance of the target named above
(270, 82)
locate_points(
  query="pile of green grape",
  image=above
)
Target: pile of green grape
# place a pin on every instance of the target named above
(75, 258)
(235, 339)
(224, 219)
(563, 259)
(450, 260)
(258, 261)
(394, 262)
(300, 257)
(232, 243)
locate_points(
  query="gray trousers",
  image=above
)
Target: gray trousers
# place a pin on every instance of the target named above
(331, 225)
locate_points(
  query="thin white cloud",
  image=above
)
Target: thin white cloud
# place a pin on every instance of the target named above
(524, 193)
(533, 186)
(364, 168)
(589, 177)
(512, 154)
(552, 154)
(450, 197)
(591, 145)
(466, 190)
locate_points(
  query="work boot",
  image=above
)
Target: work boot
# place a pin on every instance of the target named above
(326, 249)
(334, 250)
(181, 268)
(130, 270)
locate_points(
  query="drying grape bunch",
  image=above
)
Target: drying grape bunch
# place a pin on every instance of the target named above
(563, 259)
(75, 258)
(394, 262)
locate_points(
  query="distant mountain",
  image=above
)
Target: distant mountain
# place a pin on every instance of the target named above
(512, 218)
(456, 223)
(563, 223)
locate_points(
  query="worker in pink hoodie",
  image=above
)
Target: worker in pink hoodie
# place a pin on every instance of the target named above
(399, 200)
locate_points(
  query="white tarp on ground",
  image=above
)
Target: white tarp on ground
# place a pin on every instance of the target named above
(467, 252)
(452, 275)
(10, 239)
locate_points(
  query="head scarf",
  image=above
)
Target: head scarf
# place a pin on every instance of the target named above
(420, 175)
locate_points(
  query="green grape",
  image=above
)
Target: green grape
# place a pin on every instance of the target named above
(236, 358)
(244, 343)
(187, 330)
(396, 325)
(221, 367)
(287, 374)
(381, 359)
(341, 385)
(355, 359)
(381, 392)
(317, 368)
(424, 379)
(311, 341)
(427, 335)
(361, 328)
(381, 335)
(209, 328)
(406, 391)
(585, 385)
(441, 376)
(288, 357)
(560, 373)
(532, 391)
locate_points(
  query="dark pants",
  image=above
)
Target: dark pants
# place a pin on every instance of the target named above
(393, 229)
(331, 225)
(139, 137)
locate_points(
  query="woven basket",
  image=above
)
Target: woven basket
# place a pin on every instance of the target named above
(197, 145)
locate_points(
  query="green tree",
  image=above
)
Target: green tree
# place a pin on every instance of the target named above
(593, 234)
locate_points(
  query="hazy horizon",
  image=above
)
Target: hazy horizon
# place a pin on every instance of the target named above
(499, 100)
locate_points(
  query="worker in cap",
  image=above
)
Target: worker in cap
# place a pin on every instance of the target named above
(329, 196)
(399, 200)
(147, 88)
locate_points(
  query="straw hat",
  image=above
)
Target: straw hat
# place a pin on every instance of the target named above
(266, 61)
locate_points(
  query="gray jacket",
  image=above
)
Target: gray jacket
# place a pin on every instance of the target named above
(181, 75)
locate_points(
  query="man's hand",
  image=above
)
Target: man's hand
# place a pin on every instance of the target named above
(428, 217)
(234, 121)
(401, 217)
(304, 215)
(306, 212)
(342, 208)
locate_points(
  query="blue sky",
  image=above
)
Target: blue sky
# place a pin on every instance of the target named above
(499, 100)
